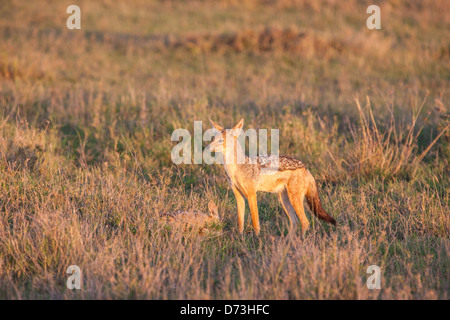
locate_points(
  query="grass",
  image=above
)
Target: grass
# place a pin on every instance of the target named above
(86, 119)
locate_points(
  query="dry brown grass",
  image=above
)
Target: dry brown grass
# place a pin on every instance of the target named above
(387, 153)
(85, 125)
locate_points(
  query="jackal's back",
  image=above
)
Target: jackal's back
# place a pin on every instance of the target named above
(285, 163)
(254, 166)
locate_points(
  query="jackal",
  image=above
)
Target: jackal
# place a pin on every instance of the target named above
(284, 175)
(193, 218)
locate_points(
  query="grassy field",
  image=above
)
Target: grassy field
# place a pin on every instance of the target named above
(86, 118)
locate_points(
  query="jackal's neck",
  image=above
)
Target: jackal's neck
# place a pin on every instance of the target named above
(232, 157)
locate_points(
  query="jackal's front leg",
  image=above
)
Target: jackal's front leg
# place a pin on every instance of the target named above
(241, 208)
(253, 204)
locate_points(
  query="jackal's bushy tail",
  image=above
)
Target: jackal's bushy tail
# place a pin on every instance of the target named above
(312, 197)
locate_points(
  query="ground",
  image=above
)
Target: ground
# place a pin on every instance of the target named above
(86, 118)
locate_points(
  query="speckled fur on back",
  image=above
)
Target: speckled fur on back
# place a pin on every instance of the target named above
(286, 176)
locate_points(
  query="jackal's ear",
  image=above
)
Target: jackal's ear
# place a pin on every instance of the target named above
(238, 128)
(215, 125)
(213, 209)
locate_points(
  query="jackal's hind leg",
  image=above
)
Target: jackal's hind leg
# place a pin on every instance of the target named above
(296, 199)
(288, 209)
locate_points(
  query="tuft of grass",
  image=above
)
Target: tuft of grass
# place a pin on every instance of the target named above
(389, 152)
(86, 118)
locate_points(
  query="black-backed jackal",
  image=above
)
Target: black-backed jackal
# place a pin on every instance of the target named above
(193, 219)
(289, 178)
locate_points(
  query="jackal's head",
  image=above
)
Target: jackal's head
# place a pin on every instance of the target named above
(213, 210)
(222, 139)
